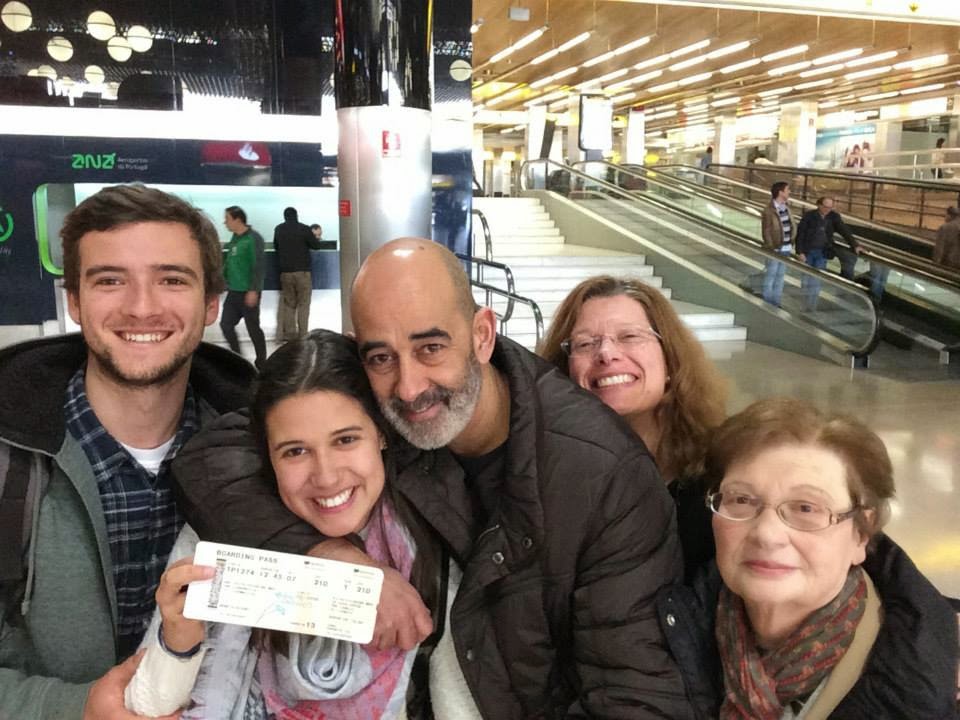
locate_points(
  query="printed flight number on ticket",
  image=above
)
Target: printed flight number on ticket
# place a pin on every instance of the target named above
(290, 593)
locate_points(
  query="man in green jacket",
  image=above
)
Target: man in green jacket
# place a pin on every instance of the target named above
(88, 428)
(243, 269)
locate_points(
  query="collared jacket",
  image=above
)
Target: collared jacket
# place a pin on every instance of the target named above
(807, 228)
(771, 228)
(910, 672)
(292, 242)
(555, 614)
(58, 633)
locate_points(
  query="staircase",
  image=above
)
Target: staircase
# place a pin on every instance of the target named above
(546, 268)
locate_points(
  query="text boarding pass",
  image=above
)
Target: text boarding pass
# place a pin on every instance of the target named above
(290, 593)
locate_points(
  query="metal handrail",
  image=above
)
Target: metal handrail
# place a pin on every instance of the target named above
(487, 236)
(510, 293)
(926, 184)
(898, 260)
(793, 263)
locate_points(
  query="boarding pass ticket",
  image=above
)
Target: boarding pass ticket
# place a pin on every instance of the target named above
(280, 591)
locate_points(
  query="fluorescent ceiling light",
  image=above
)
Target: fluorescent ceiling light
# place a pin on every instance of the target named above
(879, 96)
(775, 91)
(687, 63)
(698, 100)
(729, 49)
(612, 75)
(842, 55)
(637, 79)
(923, 89)
(692, 109)
(740, 66)
(780, 54)
(506, 96)
(828, 104)
(813, 84)
(686, 50)
(696, 78)
(867, 73)
(785, 69)
(725, 101)
(652, 61)
(925, 62)
(662, 115)
(599, 59)
(556, 76)
(521, 43)
(639, 42)
(621, 98)
(549, 97)
(664, 87)
(822, 70)
(572, 42)
(869, 59)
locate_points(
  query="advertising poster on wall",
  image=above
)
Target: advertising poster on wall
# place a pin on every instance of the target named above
(848, 148)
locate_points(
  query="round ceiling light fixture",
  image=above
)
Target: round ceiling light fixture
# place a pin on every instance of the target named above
(140, 38)
(47, 72)
(94, 74)
(460, 70)
(100, 25)
(16, 16)
(59, 48)
(119, 49)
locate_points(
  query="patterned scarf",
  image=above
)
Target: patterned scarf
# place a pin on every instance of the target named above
(370, 686)
(759, 687)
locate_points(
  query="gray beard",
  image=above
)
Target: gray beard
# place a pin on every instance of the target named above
(458, 406)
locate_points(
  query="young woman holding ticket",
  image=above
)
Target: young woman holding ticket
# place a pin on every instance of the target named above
(321, 435)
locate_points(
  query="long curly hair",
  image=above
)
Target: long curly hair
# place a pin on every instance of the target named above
(694, 401)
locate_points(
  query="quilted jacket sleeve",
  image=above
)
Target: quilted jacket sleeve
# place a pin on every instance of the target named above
(622, 660)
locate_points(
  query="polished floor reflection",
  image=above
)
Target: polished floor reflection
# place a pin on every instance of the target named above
(918, 421)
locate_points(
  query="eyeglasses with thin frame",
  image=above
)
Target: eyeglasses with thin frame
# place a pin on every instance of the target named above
(589, 345)
(801, 515)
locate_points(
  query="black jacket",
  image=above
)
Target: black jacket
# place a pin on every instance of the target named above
(807, 228)
(911, 671)
(293, 242)
(555, 614)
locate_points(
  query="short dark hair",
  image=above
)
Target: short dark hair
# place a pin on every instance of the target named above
(119, 205)
(315, 226)
(952, 211)
(237, 213)
(290, 214)
(823, 198)
(777, 188)
(773, 422)
(710, 148)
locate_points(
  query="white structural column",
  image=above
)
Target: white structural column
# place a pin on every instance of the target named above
(536, 122)
(635, 147)
(574, 153)
(798, 134)
(477, 154)
(725, 140)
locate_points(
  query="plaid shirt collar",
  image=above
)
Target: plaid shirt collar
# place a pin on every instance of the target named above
(102, 449)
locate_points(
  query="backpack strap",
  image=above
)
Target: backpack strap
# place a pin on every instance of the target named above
(18, 494)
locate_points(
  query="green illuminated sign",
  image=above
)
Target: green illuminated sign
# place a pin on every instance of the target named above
(86, 161)
(6, 225)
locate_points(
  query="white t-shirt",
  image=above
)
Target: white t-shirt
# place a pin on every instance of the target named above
(150, 459)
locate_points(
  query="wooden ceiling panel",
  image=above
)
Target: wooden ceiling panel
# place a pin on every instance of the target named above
(614, 23)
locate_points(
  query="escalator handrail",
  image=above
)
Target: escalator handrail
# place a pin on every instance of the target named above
(752, 245)
(883, 179)
(487, 235)
(897, 259)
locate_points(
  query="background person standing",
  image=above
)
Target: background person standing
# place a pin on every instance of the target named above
(293, 242)
(243, 271)
(946, 249)
(776, 227)
(815, 246)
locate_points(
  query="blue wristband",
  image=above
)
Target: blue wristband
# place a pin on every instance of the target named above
(181, 655)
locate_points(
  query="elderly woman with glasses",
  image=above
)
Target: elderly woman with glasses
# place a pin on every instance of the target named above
(622, 341)
(809, 611)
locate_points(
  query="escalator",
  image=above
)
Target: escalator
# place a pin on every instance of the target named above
(899, 212)
(707, 250)
(920, 301)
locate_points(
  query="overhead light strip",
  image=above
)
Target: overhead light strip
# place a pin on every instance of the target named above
(521, 43)
(834, 57)
(633, 45)
(571, 43)
(789, 52)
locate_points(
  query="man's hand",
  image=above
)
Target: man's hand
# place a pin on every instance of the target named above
(250, 298)
(402, 618)
(105, 700)
(801, 257)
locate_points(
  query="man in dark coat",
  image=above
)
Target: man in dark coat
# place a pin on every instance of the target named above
(293, 241)
(815, 246)
(551, 509)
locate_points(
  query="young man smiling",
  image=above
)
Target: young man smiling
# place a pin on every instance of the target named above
(93, 422)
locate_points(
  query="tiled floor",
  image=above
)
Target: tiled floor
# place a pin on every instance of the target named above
(918, 421)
